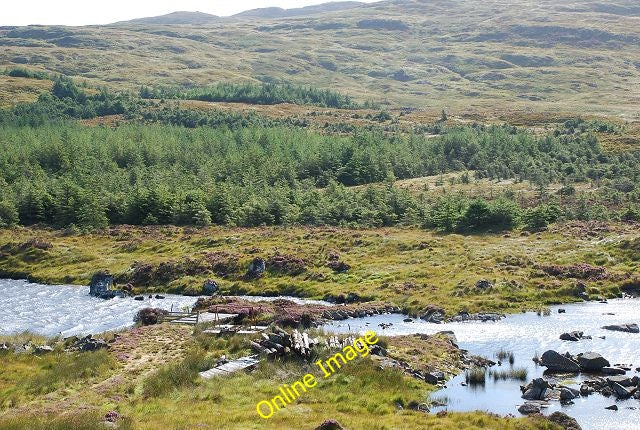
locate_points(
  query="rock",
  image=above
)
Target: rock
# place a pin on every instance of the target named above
(101, 283)
(564, 421)
(625, 381)
(562, 311)
(612, 408)
(483, 284)
(139, 298)
(159, 297)
(329, 425)
(434, 377)
(620, 391)
(407, 320)
(612, 371)
(210, 287)
(556, 362)
(529, 408)
(628, 328)
(573, 336)
(87, 343)
(592, 361)
(42, 349)
(567, 393)
(585, 390)
(256, 268)
(535, 390)
(149, 316)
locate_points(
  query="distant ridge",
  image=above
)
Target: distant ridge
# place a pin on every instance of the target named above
(176, 18)
(201, 18)
(277, 12)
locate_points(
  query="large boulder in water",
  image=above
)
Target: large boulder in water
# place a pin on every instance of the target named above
(529, 408)
(535, 390)
(101, 284)
(629, 328)
(557, 362)
(592, 361)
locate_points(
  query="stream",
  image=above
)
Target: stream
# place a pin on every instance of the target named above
(528, 335)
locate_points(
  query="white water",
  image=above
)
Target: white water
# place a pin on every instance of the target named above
(527, 335)
(66, 310)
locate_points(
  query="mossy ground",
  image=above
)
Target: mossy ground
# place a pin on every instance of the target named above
(408, 267)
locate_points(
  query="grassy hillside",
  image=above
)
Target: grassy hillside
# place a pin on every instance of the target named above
(577, 56)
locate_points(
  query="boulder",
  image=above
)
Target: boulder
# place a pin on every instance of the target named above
(330, 425)
(256, 268)
(210, 287)
(529, 408)
(592, 361)
(42, 349)
(612, 408)
(483, 284)
(628, 328)
(625, 381)
(562, 311)
(556, 362)
(573, 336)
(612, 371)
(101, 285)
(535, 390)
(620, 391)
(434, 377)
(567, 393)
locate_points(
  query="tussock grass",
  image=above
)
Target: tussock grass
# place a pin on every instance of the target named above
(476, 376)
(504, 355)
(177, 375)
(516, 374)
(69, 368)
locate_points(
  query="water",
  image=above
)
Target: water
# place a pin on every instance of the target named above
(527, 335)
(67, 310)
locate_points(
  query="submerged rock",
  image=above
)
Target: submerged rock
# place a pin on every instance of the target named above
(529, 408)
(628, 328)
(573, 336)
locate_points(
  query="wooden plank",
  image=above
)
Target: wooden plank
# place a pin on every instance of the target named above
(231, 367)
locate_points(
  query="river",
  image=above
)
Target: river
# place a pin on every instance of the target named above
(66, 310)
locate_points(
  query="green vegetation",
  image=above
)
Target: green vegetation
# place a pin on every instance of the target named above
(265, 94)
(516, 374)
(20, 72)
(249, 172)
(353, 396)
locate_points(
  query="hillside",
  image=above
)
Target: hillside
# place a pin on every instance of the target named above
(176, 18)
(578, 56)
